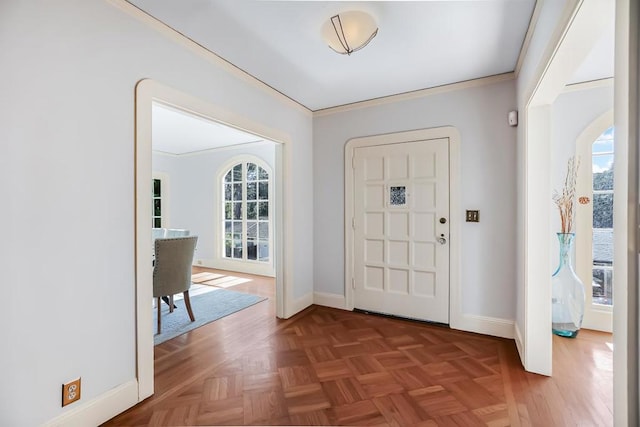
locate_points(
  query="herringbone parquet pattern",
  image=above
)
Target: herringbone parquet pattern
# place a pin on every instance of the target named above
(332, 367)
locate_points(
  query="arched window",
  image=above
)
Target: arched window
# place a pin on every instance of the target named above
(602, 185)
(247, 207)
(594, 221)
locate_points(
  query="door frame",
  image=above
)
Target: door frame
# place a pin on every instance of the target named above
(147, 92)
(452, 134)
(579, 27)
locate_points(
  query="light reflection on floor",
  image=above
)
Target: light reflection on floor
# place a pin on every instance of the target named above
(218, 280)
(209, 282)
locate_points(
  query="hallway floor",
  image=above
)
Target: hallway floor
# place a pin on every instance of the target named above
(333, 367)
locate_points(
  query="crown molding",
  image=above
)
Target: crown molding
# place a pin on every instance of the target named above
(241, 74)
(415, 94)
(529, 34)
(591, 84)
(210, 56)
(243, 145)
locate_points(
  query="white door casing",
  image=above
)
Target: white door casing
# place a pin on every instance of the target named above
(148, 91)
(401, 251)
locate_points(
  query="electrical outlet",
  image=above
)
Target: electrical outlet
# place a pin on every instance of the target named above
(70, 392)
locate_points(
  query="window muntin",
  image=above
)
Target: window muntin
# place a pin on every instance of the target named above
(156, 219)
(602, 185)
(246, 213)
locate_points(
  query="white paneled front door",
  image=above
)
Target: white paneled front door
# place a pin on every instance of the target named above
(401, 229)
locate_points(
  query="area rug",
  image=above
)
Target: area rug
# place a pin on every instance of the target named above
(208, 304)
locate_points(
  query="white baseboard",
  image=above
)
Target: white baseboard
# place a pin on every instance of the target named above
(485, 325)
(466, 322)
(519, 342)
(330, 300)
(299, 304)
(100, 409)
(239, 266)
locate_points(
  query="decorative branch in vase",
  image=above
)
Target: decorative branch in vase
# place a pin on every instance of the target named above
(566, 199)
(567, 291)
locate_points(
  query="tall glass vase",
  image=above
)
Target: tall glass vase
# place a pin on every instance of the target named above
(567, 292)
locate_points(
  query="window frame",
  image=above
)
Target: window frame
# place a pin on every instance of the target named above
(164, 199)
(263, 266)
(606, 269)
(596, 316)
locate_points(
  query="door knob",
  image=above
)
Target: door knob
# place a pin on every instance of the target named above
(443, 220)
(441, 239)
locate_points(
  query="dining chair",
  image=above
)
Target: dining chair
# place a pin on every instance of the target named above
(176, 232)
(172, 271)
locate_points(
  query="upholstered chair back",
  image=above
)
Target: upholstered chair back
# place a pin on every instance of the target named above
(172, 267)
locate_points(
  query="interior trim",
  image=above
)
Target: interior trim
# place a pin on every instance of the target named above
(576, 32)
(244, 145)
(197, 48)
(100, 409)
(299, 304)
(517, 337)
(148, 91)
(591, 84)
(326, 299)
(528, 36)
(421, 93)
(625, 214)
(493, 326)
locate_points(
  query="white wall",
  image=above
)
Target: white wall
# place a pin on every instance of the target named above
(571, 114)
(67, 172)
(193, 189)
(488, 161)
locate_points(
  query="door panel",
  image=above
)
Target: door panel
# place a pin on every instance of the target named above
(401, 191)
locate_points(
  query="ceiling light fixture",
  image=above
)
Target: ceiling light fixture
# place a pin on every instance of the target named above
(348, 32)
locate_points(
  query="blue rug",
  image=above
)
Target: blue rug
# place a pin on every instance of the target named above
(208, 304)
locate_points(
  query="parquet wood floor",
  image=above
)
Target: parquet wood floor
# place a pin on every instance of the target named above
(332, 367)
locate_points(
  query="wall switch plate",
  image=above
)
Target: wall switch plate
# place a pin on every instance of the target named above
(473, 216)
(70, 392)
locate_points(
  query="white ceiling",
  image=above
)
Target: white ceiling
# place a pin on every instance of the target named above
(599, 63)
(177, 132)
(420, 44)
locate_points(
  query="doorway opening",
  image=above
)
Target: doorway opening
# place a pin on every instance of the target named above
(222, 186)
(149, 96)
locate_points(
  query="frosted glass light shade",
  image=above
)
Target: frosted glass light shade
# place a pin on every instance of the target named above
(348, 32)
